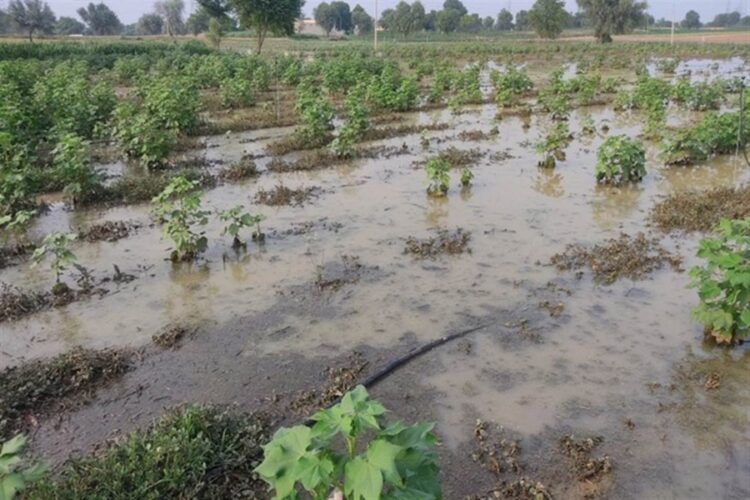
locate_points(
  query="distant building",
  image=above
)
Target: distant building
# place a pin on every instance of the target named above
(311, 27)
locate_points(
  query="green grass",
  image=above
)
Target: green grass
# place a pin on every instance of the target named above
(193, 453)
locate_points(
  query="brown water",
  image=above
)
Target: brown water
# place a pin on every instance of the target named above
(585, 371)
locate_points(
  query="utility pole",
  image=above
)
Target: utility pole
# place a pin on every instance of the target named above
(375, 25)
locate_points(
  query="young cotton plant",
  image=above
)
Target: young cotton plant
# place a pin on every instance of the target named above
(236, 219)
(620, 160)
(437, 173)
(352, 451)
(13, 479)
(57, 247)
(178, 208)
(315, 113)
(357, 122)
(723, 283)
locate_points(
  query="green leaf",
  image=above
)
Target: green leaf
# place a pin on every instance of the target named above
(382, 455)
(362, 480)
(10, 485)
(13, 446)
(314, 471)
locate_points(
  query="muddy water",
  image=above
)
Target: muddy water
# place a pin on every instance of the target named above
(610, 356)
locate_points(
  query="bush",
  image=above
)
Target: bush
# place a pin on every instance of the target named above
(316, 115)
(716, 133)
(723, 283)
(511, 85)
(620, 160)
(381, 460)
(236, 92)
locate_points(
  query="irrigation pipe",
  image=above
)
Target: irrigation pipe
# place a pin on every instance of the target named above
(406, 358)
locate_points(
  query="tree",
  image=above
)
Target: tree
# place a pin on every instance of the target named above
(448, 20)
(692, 20)
(470, 23)
(219, 9)
(361, 20)
(430, 21)
(504, 21)
(548, 18)
(488, 23)
(268, 16)
(32, 15)
(522, 20)
(149, 24)
(215, 32)
(325, 16)
(69, 26)
(171, 14)
(100, 19)
(726, 20)
(612, 17)
(198, 21)
(408, 18)
(343, 16)
(455, 5)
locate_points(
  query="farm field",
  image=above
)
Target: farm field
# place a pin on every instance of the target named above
(261, 234)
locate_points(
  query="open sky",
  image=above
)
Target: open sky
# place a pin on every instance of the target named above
(130, 10)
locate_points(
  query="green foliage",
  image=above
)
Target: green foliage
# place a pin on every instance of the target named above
(196, 452)
(701, 96)
(236, 92)
(548, 17)
(357, 122)
(510, 85)
(73, 169)
(646, 94)
(315, 113)
(723, 283)
(716, 133)
(552, 147)
(389, 91)
(57, 247)
(236, 219)
(437, 173)
(142, 135)
(466, 177)
(465, 87)
(381, 460)
(178, 208)
(612, 18)
(215, 32)
(17, 221)
(13, 479)
(620, 160)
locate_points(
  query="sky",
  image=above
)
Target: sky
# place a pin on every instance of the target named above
(130, 10)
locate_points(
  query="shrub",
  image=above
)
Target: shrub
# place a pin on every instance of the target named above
(178, 207)
(620, 160)
(236, 92)
(511, 85)
(437, 173)
(716, 133)
(723, 283)
(357, 122)
(316, 115)
(380, 460)
(73, 170)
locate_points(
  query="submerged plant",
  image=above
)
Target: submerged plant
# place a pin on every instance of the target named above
(178, 207)
(352, 452)
(723, 283)
(57, 246)
(510, 86)
(466, 177)
(437, 173)
(552, 147)
(236, 220)
(13, 479)
(620, 160)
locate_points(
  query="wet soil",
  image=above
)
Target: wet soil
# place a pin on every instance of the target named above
(701, 211)
(445, 242)
(625, 257)
(282, 195)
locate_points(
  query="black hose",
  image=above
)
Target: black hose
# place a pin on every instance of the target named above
(406, 358)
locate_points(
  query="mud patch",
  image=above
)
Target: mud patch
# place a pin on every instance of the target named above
(282, 195)
(446, 242)
(377, 134)
(623, 257)
(108, 231)
(12, 254)
(241, 170)
(31, 389)
(701, 211)
(456, 157)
(16, 303)
(335, 275)
(171, 336)
(582, 464)
(324, 158)
(339, 380)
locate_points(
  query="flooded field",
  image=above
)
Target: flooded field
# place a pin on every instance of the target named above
(559, 353)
